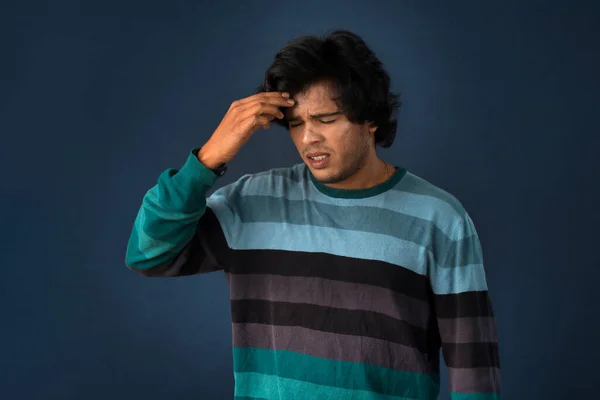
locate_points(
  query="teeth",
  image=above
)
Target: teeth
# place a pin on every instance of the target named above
(319, 158)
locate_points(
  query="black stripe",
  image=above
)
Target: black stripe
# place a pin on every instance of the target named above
(328, 319)
(471, 355)
(330, 266)
(463, 305)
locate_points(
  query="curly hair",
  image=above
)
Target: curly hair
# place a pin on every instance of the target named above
(344, 60)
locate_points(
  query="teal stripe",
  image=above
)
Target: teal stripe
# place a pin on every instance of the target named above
(143, 251)
(156, 238)
(161, 220)
(474, 396)
(335, 373)
(248, 398)
(169, 214)
(140, 254)
(278, 388)
(171, 233)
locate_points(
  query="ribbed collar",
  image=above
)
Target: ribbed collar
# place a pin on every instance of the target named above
(359, 193)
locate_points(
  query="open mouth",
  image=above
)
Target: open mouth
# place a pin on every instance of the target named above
(319, 161)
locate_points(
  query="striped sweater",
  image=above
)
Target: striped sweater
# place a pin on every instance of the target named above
(335, 294)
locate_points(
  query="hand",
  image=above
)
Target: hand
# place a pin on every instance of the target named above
(243, 118)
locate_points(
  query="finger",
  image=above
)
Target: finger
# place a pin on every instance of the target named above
(262, 121)
(262, 108)
(263, 96)
(266, 103)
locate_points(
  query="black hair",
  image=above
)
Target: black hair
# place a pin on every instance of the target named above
(344, 60)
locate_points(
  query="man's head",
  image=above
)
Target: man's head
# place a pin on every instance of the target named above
(344, 106)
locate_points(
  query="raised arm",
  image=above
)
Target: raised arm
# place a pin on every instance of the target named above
(175, 233)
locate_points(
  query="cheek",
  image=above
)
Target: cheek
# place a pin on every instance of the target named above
(295, 138)
(346, 138)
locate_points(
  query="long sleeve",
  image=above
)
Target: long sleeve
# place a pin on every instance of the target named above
(465, 317)
(175, 233)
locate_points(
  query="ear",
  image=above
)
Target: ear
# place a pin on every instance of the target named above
(371, 127)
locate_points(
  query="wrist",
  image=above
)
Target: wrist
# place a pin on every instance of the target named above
(209, 158)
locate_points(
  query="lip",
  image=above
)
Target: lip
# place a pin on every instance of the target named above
(318, 164)
(316, 154)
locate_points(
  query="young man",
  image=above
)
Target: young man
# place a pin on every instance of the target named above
(347, 275)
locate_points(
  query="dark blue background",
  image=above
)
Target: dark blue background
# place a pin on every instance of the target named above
(97, 98)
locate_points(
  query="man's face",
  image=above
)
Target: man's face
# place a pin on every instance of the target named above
(317, 125)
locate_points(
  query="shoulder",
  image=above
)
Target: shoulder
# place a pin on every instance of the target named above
(414, 184)
(294, 173)
(433, 203)
(271, 182)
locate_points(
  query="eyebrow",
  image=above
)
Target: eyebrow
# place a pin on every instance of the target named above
(315, 116)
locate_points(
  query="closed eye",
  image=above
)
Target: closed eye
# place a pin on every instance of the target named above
(330, 121)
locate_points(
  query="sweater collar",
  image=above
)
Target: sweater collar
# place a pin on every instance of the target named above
(359, 193)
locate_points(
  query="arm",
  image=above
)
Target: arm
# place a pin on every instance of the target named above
(175, 233)
(465, 317)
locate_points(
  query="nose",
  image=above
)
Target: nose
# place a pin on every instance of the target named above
(310, 135)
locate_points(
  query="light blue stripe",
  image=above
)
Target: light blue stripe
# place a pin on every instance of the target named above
(304, 238)
(410, 183)
(277, 388)
(360, 245)
(252, 209)
(426, 207)
(459, 279)
(414, 184)
(299, 218)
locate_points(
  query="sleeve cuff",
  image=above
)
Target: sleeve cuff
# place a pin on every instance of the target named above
(194, 171)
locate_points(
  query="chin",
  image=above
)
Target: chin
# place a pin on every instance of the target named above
(326, 175)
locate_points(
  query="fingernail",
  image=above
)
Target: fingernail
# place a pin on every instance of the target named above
(286, 95)
(290, 101)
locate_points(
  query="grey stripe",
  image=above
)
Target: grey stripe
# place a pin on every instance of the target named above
(469, 380)
(331, 293)
(468, 330)
(332, 346)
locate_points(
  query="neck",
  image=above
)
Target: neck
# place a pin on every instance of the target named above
(374, 172)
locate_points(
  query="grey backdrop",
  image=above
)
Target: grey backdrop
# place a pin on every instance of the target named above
(97, 98)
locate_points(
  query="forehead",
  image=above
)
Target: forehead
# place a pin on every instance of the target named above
(317, 99)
